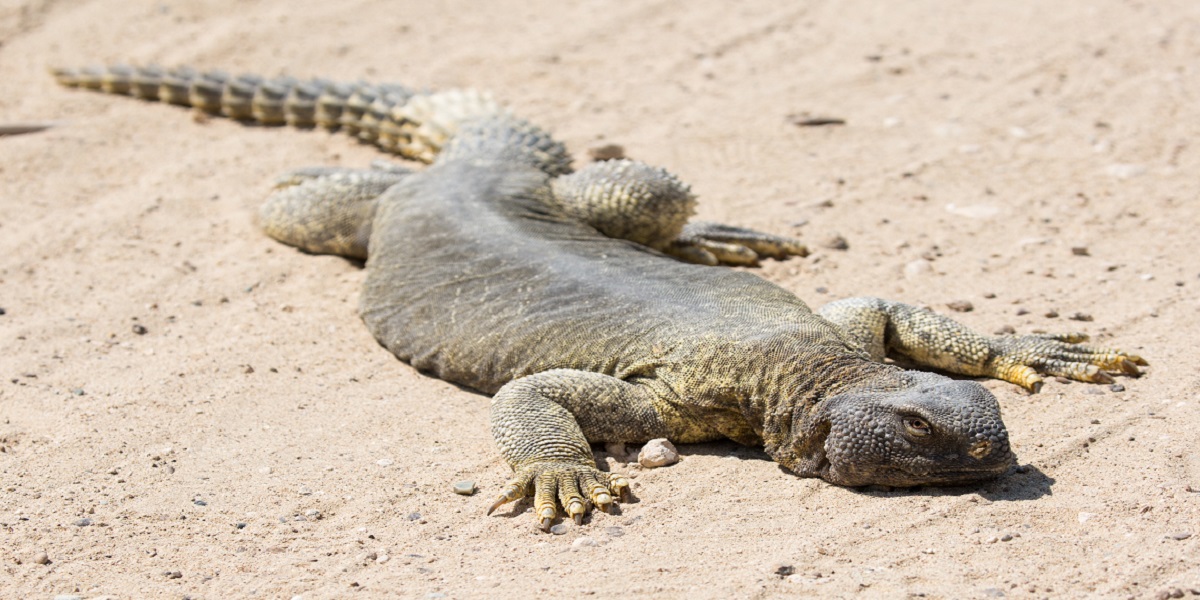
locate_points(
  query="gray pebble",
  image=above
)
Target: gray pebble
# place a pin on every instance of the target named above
(78, 391)
(1116, 387)
(84, 522)
(465, 488)
(559, 529)
(614, 531)
(1080, 317)
(1022, 311)
(199, 502)
(312, 513)
(41, 558)
(1182, 535)
(240, 525)
(173, 574)
(835, 242)
(416, 516)
(1006, 538)
(305, 491)
(68, 597)
(782, 569)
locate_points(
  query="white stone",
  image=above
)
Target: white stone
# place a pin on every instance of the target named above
(658, 453)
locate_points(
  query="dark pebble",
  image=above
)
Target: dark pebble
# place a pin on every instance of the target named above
(173, 574)
(84, 522)
(240, 525)
(1051, 314)
(199, 502)
(139, 329)
(783, 569)
(1080, 317)
(1080, 251)
(960, 306)
(606, 152)
(3, 312)
(1022, 311)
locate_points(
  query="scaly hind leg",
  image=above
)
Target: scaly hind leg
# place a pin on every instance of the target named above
(631, 200)
(327, 210)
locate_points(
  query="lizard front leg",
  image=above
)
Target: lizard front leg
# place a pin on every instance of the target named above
(543, 424)
(882, 327)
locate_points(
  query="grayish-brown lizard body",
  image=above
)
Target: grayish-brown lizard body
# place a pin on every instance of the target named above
(561, 294)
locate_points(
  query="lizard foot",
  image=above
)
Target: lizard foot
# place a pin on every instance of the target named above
(1023, 359)
(554, 484)
(713, 244)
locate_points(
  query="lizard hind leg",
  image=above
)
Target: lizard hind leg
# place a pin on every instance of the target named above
(631, 200)
(327, 210)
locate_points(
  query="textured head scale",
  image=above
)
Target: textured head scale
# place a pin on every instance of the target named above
(937, 431)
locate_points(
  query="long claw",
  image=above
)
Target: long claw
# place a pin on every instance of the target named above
(544, 525)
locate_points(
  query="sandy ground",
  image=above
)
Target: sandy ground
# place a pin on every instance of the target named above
(984, 142)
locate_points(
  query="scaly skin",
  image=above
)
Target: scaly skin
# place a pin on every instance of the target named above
(499, 269)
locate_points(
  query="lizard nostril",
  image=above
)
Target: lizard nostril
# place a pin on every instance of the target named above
(980, 449)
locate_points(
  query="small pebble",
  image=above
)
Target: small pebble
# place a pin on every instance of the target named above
(583, 541)
(464, 488)
(782, 569)
(240, 525)
(658, 453)
(384, 462)
(199, 502)
(1051, 314)
(139, 329)
(3, 312)
(614, 531)
(1180, 536)
(1080, 251)
(559, 529)
(1094, 391)
(992, 540)
(599, 152)
(382, 559)
(835, 242)
(1116, 387)
(1062, 380)
(1022, 311)
(1080, 317)
(312, 513)
(173, 574)
(368, 557)
(1006, 538)
(1006, 330)
(41, 558)
(415, 516)
(84, 522)
(78, 391)
(960, 306)
(304, 491)
(917, 268)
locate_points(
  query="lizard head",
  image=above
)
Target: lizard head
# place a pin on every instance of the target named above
(937, 431)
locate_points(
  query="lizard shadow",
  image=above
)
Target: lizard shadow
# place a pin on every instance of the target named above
(1021, 483)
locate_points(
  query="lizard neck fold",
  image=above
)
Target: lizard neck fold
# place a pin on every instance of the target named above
(790, 401)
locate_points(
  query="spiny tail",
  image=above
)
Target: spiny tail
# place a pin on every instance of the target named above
(413, 124)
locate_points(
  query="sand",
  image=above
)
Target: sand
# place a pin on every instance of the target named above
(1031, 158)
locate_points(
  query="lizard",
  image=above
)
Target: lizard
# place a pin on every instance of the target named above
(591, 310)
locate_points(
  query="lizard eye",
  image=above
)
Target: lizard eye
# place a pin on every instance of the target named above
(917, 426)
